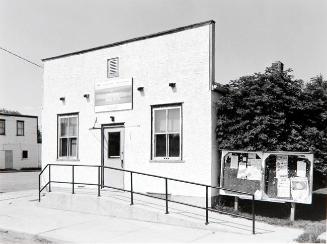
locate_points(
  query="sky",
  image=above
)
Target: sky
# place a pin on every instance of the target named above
(250, 35)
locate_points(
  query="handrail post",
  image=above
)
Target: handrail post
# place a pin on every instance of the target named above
(166, 183)
(73, 180)
(49, 177)
(132, 200)
(253, 216)
(99, 183)
(39, 187)
(207, 200)
(102, 172)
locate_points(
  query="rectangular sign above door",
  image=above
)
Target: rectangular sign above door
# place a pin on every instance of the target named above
(113, 95)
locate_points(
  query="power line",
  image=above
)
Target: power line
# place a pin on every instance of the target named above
(16, 55)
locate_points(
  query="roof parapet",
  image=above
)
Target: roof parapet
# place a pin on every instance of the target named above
(133, 40)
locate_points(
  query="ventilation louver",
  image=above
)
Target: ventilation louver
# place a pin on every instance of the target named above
(113, 67)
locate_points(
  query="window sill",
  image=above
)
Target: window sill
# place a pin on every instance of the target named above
(166, 161)
(67, 159)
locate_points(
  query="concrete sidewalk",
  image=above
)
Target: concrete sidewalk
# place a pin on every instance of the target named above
(21, 213)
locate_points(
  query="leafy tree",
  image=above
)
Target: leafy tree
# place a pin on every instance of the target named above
(314, 123)
(39, 136)
(6, 111)
(259, 111)
(274, 111)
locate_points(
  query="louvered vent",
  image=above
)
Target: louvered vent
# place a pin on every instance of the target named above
(113, 67)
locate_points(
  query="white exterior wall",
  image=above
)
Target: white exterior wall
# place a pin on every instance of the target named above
(10, 141)
(182, 58)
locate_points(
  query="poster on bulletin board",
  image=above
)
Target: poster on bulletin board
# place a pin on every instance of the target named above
(300, 189)
(283, 187)
(254, 169)
(301, 169)
(281, 166)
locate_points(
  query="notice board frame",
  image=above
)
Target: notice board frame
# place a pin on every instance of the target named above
(264, 156)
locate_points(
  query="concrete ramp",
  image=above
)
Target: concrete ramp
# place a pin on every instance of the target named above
(117, 204)
(21, 213)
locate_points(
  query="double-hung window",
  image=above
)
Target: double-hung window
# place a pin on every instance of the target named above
(68, 136)
(2, 127)
(20, 128)
(167, 133)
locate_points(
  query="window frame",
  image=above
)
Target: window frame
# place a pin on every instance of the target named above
(23, 122)
(117, 73)
(68, 158)
(167, 107)
(4, 127)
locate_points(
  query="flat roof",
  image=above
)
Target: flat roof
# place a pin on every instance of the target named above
(19, 115)
(133, 39)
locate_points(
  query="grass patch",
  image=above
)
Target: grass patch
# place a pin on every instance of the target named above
(312, 229)
(269, 220)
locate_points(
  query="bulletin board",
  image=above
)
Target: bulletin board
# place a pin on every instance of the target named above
(270, 176)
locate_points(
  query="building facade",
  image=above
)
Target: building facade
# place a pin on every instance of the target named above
(18, 142)
(145, 104)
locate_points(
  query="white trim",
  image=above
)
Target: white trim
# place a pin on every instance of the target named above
(68, 137)
(179, 132)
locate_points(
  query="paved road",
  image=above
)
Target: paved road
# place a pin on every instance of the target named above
(18, 181)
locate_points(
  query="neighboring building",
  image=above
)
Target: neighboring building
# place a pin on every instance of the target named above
(18, 141)
(145, 104)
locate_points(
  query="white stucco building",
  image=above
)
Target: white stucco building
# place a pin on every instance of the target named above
(145, 104)
(18, 141)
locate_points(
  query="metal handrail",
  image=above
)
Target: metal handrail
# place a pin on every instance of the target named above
(40, 190)
(100, 184)
(178, 180)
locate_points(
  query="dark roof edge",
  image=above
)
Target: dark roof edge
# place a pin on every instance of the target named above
(134, 39)
(19, 115)
(217, 87)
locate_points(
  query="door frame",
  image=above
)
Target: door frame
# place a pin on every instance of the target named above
(107, 126)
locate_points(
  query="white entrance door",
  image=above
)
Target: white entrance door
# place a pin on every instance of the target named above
(113, 156)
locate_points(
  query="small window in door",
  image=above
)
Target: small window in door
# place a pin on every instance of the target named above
(114, 144)
(25, 154)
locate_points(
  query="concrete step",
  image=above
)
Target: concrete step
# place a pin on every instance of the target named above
(117, 204)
